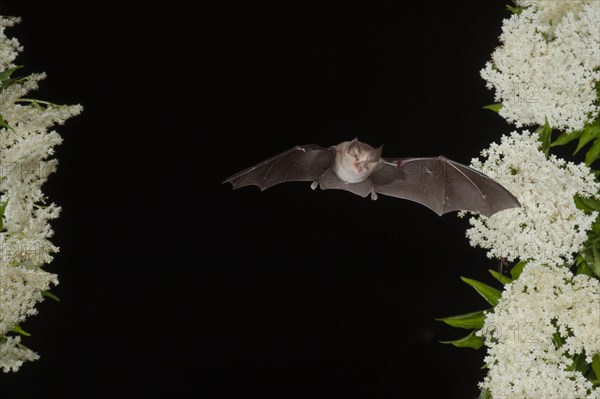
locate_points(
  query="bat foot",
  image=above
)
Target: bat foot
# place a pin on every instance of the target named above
(314, 185)
(373, 196)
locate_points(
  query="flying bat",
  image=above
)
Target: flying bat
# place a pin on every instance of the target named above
(439, 183)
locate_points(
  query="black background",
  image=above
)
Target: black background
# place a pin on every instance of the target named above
(173, 284)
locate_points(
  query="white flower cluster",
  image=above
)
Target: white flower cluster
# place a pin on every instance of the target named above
(10, 46)
(523, 359)
(25, 148)
(549, 13)
(13, 354)
(548, 63)
(548, 227)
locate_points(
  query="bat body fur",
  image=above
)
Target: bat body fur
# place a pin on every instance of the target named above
(438, 183)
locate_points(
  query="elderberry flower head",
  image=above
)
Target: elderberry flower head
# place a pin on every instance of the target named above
(525, 358)
(548, 64)
(548, 227)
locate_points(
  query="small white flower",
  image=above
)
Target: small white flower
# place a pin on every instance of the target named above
(523, 359)
(548, 227)
(547, 64)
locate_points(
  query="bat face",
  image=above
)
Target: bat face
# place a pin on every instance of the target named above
(356, 161)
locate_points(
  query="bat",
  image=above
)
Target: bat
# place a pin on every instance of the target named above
(439, 183)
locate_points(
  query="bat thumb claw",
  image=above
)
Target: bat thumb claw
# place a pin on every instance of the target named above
(314, 185)
(373, 196)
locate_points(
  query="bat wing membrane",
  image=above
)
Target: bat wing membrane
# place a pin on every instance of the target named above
(301, 163)
(442, 185)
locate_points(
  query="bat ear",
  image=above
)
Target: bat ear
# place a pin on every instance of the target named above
(354, 146)
(377, 152)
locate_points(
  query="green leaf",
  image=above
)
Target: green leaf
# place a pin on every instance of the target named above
(589, 133)
(579, 364)
(566, 138)
(17, 328)
(584, 269)
(5, 79)
(467, 320)
(596, 227)
(596, 365)
(470, 341)
(545, 135)
(595, 264)
(593, 153)
(557, 340)
(591, 260)
(581, 205)
(485, 394)
(50, 295)
(589, 203)
(500, 277)
(4, 124)
(515, 272)
(5, 75)
(518, 9)
(490, 294)
(2, 209)
(494, 107)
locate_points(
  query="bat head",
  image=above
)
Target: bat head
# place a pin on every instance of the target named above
(356, 161)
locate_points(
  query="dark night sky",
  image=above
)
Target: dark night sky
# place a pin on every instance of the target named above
(173, 284)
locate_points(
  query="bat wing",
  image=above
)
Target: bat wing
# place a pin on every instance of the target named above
(301, 163)
(442, 185)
